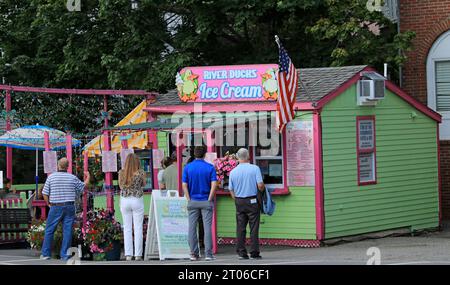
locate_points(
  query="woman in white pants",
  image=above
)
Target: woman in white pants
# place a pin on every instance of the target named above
(131, 183)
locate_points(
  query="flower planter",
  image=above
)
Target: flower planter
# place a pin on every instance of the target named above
(99, 256)
(114, 253)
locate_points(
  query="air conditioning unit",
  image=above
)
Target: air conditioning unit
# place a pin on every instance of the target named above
(370, 89)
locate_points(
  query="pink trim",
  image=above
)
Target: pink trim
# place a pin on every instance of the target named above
(370, 150)
(8, 128)
(320, 217)
(69, 151)
(414, 102)
(74, 91)
(284, 155)
(276, 192)
(152, 138)
(214, 107)
(210, 144)
(338, 91)
(108, 175)
(85, 193)
(274, 241)
(124, 142)
(390, 86)
(439, 173)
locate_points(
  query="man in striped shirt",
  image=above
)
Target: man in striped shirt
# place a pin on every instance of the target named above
(59, 192)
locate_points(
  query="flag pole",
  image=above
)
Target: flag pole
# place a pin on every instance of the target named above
(277, 40)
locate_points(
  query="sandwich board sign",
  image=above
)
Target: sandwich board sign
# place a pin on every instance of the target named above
(167, 230)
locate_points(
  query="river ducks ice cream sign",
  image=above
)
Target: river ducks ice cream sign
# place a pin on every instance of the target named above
(228, 83)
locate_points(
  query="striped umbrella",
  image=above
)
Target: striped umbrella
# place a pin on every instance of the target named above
(32, 138)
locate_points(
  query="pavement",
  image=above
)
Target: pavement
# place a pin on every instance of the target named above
(428, 248)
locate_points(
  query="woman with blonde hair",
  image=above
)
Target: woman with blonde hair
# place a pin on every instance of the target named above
(131, 183)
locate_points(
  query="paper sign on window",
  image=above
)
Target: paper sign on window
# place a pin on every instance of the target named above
(109, 161)
(158, 155)
(123, 156)
(366, 137)
(366, 167)
(210, 157)
(50, 162)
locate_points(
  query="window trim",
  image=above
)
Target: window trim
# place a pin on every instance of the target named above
(366, 150)
(434, 55)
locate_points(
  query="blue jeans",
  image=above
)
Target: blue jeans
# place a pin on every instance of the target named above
(66, 214)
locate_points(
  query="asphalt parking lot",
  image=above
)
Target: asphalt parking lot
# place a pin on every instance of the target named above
(429, 248)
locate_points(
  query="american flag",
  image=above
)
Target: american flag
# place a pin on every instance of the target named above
(287, 86)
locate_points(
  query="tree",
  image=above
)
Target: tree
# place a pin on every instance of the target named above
(110, 45)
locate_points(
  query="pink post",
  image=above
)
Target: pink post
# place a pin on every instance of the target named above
(108, 175)
(69, 151)
(210, 148)
(124, 142)
(153, 141)
(85, 168)
(8, 128)
(320, 221)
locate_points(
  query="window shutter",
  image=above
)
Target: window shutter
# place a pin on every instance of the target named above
(443, 86)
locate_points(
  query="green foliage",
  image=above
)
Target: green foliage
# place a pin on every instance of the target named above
(110, 45)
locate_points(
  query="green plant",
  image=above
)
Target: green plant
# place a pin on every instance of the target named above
(100, 231)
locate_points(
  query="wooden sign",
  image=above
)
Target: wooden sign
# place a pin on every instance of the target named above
(50, 162)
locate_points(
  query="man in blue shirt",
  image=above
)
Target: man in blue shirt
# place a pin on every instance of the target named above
(199, 185)
(245, 181)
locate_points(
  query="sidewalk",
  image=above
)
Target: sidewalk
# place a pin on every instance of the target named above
(430, 248)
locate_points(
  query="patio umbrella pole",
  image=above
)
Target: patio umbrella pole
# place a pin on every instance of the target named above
(36, 178)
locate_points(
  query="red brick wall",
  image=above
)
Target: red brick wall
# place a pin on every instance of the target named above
(429, 19)
(445, 179)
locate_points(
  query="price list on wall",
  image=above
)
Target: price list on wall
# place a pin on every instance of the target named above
(300, 153)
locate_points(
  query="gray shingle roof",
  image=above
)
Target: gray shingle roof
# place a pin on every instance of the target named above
(314, 85)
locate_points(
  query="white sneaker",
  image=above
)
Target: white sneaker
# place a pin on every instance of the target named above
(138, 258)
(210, 258)
(45, 257)
(129, 258)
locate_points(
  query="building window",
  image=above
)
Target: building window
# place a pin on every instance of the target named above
(268, 155)
(438, 82)
(366, 150)
(443, 86)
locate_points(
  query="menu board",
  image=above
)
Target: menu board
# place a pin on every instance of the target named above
(158, 155)
(123, 156)
(50, 162)
(300, 153)
(109, 161)
(172, 224)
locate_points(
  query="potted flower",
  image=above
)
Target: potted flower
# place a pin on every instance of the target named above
(36, 233)
(223, 166)
(102, 234)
